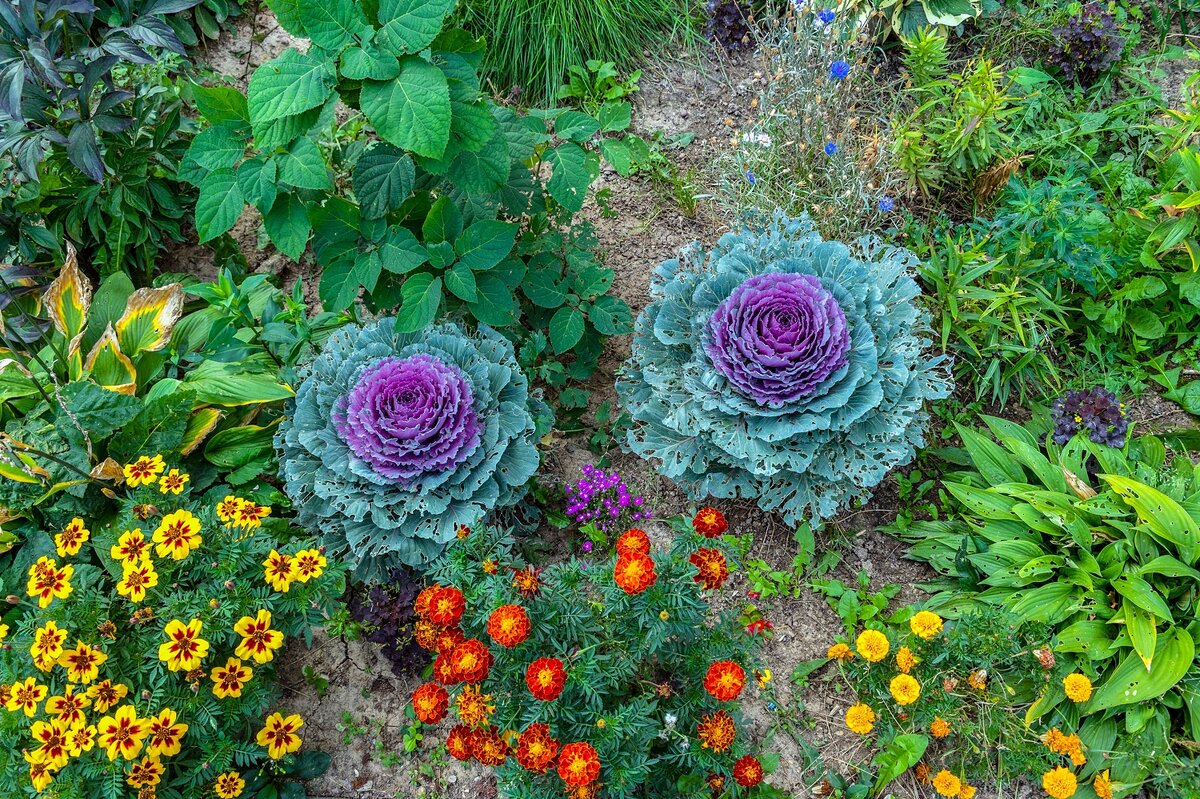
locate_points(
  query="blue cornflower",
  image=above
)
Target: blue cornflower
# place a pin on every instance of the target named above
(830, 148)
(826, 15)
(750, 178)
(887, 204)
(839, 69)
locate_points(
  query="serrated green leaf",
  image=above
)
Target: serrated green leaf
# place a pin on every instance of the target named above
(333, 24)
(422, 296)
(369, 62)
(220, 104)
(496, 304)
(400, 252)
(342, 280)
(614, 116)
(288, 226)
(256, 178)
(566, 328)
(485, 171)
(545, 288)
(443, 222)
(460, 281)
(219, 205)
(610, 316)
(571, 177)
(288, 85)
(575, 126)
(303, 166)
(412, 111)
(485, 243)
(410, 26)
(383, 178)
(218, 147)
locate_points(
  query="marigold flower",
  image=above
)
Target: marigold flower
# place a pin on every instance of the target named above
(748, 771)
(165, 734)
(132, 546)
(227, 509)
(52, 735)
(229, 785)
(447, 639)
(68, 707)
(426, 634)
(922, 773)
(546, 678)
(1103, 785)
(310, 564)
(712, 570)
(872, 645)
(145, 773)
(1061, 744)
(762, 677)
(536, 748)
(143, 471)
(725, 680)
(488, 747)
(473, 707)
(578, 764)
(906, 661)
(527, 581)
(904, 689)
(471, 661)
(925, 624)
(709, 522)
(177, 535)
(137, 577)
(173, 482)
(72, 537)
(279, 571)
(41, 771)
(279, 735)
(81, 738)
(259, 641)
(184, 648)
(248, 515)
(106, 694)
(634, 573)
(633, 541)
(458, 742)
(509, 625)
(715, 783)
(122, 733)
(230, 679)
(940, 728)
(431, 703)
(716, 731)
(423, 600)
(447, 606)
(860, 719)
(48, 582)
(1059, 783)
(947, 784)
(82, 663)
(839, 651)
(48, 642)
(489, 566)
(1078, 687)
(978, 679)
(966, 792)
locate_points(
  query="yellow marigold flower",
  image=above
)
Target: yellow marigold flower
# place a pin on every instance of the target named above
(947, 784)
(839, 651)
(925, 624)
(68, 706)
(1059, 783)
(309, 564)
(148, 772)
(122, 733)
(664, 616)
(279, 571)
(48, 642)
(130, 547)
(81, 739)
(178, 535)
(166, 735)
(473, 708)
(860, 719)
(905, 689)
(144, 471)
(967, 792)
(1103, 785)
(1078, 687)
(763, 677)
(1061, 744)
(184, 648)
(137, 577)
(173, 482)
(82, 663)
(52, 735)
(229, 785)
(279, 735)
(940, 728)
(905, 660)
(978, 679)
(872, 645)
(228, 680)
(47, 581)
(259, 641)
(105, 695)
(3, 632)
(41, 771)
(227, 509)
(72, 537)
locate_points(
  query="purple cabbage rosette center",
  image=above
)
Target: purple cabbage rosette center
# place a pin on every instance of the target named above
(409, 417)
(777, 337)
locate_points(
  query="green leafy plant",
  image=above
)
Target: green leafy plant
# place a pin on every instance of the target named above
(595, 83)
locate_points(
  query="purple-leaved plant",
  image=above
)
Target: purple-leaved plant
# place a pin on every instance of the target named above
(602, 499)
(1096, 410)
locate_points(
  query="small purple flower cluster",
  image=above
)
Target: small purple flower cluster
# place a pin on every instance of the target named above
(602, 498)
(1095, 410)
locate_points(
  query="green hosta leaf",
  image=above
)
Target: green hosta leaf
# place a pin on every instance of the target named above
(220, 104)
(219, 205)
(485, 244)
(1130, 682)
(496, 304)
(303, 166)
(611, 316)
(412, 111)
(410, 26)
(400, 251)
(904, 752)
(342, 279)
(572, 175)
(287, 85)
(566, 328)
(288, 226)
(422, 296)
(256, 178)
(1142, 594)
(228, 384)
(369, 62)
(333, 24)
(1143, 631)
(949, 12)
(996, 465)
(443, 222)
(1165, 517)
(383, 178)
(460, 281)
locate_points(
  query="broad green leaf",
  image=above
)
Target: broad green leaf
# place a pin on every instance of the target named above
(485, 171)
(237, 446)
(383, 179)
(99, 411)
(219, 205)
(199, 426)
(544, 287)
(443, 222)
(220, 104)
(575, 126)
(460, 281)
(1049, 604)
(342, 279)
(333, 24)
(496, 306)
(287, 12)
(150, 316)
(1164, 516)
(987, 504)
(619, 155)
(303, 166)
(281, 132)
(412, 111)
(422, 295)
(67, 300)
(409, 26)
(369, 62)
(611, 316)
(256, 178)
(566, 328)
(904, 752)
(1129, 682)
(288, 226)
(218, 147)
(335, 230)
(400, 252)
(571, 177)
(485, 243)
(287, 85)
(1169, 567)
(1142, 630)
(110, 367)
(1142, 594)
(614, 116)
(996, 465)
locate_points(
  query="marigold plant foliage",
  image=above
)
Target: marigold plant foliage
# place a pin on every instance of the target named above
(782, 368)
(610, 677)
(398, 439)
(139, 650)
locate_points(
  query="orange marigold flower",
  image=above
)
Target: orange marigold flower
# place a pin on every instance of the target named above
(940, 728)
(1103, 785)
(840, 651)
(578, 765)
(422, 603)
(508, 625)
(426, 634)
(725, 680)
(448, 638)
(748, 771)
(443, 669)
(472, 706)
(925, 624)
(947, 784)
(458, 743)
(527, 581)
(633, 541)
(978, 679)
(716, 731)
(872, 645)
(536, 748)
(431, 703)
(447, 606)
(546, 678)
(709, 522)
(715, 783)
(471, 661)
(712, 570)
(634, 573)
(906, 661)
(488, 747)
(1060, 783)
(860, 719)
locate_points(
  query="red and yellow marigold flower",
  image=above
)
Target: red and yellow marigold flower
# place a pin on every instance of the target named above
(546, 678)
(527, 581)
(229, 785)
(122, 733)
(633, 541)
(72, 537)
(748, 771)
(458, 742)
(536, 748)
(709, 522)
(259, 641)
(279, 735)
(509, 625)
(143, 471)
(310, 564)
(230, 679)
(712, 570)
(177, 535)
(431, 703)
(725, 680)
(634, 572)
(249, 514)
(473, 707)
(106, 694)
(132, 546)
(471, 661)
(47, 581)
(148, 771)
(52, 739)
(443, 669)
(165, 734)
(137, 577)
(426, 633)
(41, 771)
(47, 643)
(69, 706)
(578, 764)
(173, 482)
(82, 663)
(716, 731)
(184, 648)
(227, 508)
(81, 739)
(447, 639)
(279, 571)
(446, 607)
(424, 599)
(488, 747)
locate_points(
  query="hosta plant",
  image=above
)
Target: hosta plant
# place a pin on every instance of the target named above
(781, 368)
(140, 641)
(396, 440)
(1101, 545)
(613, 677)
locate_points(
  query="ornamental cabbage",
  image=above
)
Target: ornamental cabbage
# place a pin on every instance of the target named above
(397, 440)
(782, 368)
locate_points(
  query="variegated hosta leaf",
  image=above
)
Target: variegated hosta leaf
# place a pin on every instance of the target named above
(199, 426)
(150, 316)
(110, 367)
(67, 300)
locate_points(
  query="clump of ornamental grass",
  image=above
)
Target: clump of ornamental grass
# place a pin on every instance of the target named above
(1096, 411)
(820, 143)
(139, 655)
(587, 678)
